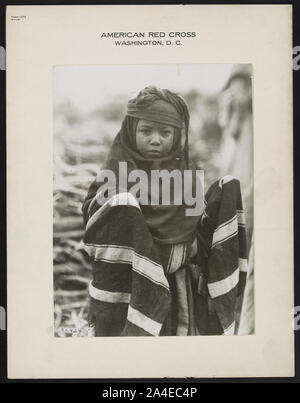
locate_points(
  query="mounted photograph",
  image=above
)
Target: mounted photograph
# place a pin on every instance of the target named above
(153, 200)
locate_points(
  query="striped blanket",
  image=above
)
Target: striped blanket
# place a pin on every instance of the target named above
(222, 226)
(130, 291)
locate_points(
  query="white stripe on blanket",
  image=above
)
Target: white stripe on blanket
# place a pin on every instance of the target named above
(110, 253)
(243, 265)
(177, 257)
(229, 331)
(224, 180)
(149, 269)
(121, 199)
(122, 254)
(108, 296)
(224, 286)
(241, 217)
(143, 321)
(225, 231)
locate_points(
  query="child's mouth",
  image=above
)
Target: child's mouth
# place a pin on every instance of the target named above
(154, 152)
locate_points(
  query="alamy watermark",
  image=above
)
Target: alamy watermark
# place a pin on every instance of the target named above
(296, 318)
(2, 58)
(2, 318)
(162, 187)
(296, 58)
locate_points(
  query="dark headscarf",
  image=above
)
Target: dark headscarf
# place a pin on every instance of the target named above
(167, 223)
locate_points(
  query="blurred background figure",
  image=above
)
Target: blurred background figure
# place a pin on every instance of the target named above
(236, 159)
(236, 149)
(88, 108)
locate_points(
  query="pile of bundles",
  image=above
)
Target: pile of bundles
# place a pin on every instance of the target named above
(77, 159)
(71, 265)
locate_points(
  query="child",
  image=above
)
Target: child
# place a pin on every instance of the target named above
(150, 262)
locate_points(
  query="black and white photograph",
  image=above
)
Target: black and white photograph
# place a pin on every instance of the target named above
(150, 192)
(153, 200)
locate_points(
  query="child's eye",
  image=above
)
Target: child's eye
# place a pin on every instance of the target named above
(166, 133)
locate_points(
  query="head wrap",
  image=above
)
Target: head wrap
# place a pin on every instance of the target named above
(159, 111)
(167, 223)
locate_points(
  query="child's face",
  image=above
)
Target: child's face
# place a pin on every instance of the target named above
(154, 140)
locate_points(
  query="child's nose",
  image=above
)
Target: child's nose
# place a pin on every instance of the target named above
(155, 138)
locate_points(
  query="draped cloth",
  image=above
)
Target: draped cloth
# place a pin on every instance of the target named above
(129, 292)
(222, 229)
(146, 281)
(144, 288)
(168, 223)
